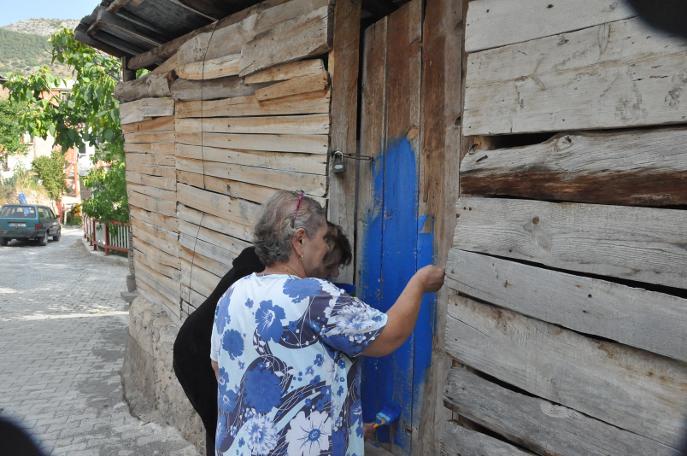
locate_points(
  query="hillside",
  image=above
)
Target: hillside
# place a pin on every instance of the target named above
(24, 45)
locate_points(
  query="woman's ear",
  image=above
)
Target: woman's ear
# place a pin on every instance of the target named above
(297, 241)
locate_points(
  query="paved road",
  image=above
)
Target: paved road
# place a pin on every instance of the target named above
(63, 331)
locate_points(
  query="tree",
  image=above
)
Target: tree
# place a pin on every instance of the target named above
(11, 130)
(87, 113)
(50, 172)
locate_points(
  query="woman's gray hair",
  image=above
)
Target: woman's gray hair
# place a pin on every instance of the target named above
(283, 214)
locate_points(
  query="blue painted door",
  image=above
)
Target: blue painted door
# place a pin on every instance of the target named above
(394, 239)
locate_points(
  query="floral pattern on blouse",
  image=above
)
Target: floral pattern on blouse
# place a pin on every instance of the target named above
(289, 382)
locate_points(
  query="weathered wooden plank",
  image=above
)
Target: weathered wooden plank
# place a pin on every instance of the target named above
(237, 211)
(136, 111)
(219, 246)
(295, 86)
(148, 291)
(650, 320)
(440, 145)
(372, 140)
(303, 163)
(540, 425)
(151, 204)
(286, 71)
(621, 74)
(150, 125)
(188, 253)
(313, 124)
(197, 278)
(493, 23)
(459, 441)
(309, 144)
(633, 243)
(165, 183)
(312, 103)
(167, 66)
(183, 89)
(151, 170)
(157, 255)
(639, 167)
(625, 387)
(161, 238)
(314, 184)
(156, 261)
(152, 218)
(149, 154)
(235, 228)
(219, 67)
(154, 192)
(301, 37)
(145, 137)
(251, 192)
(148, 86)
(344, 64)
(161, 284)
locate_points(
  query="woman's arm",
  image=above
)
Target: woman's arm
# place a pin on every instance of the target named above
(402, 316)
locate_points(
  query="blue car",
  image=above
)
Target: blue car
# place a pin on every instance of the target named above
(28, 222)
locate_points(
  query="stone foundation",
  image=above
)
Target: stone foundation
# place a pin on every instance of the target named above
(150, 386)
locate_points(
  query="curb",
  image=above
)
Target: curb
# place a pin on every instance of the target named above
(101, 255)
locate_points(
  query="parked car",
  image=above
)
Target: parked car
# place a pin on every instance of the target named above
(28, 222)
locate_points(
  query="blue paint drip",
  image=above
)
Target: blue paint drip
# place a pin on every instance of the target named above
(396, 245)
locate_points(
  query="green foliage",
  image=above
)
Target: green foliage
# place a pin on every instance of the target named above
(51, 175)
(21, 181)
(11, 131)
(88, 113)
(109, 201)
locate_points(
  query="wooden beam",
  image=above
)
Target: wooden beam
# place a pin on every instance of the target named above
(136, 111)
(309, 124)
(149, 86)
(311, 103)
(185, 90)
(457, 440)
(639, 167)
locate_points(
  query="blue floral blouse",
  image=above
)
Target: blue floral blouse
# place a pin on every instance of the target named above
(288, 380)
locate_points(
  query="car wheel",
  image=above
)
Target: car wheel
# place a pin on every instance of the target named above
(57, 236)
(44, 239)
(4, 241)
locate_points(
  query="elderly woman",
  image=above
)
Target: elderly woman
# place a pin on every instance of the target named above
(284, 344)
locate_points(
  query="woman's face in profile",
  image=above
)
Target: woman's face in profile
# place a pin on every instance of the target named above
(314, 251)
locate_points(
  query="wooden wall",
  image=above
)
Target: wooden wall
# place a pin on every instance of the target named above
(238, 112)
(567, 276)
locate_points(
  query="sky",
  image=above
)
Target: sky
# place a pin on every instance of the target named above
(16, 10)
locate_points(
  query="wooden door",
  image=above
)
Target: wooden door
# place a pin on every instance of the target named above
(394, 238)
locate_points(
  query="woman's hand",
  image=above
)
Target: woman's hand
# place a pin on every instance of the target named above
(431, 277)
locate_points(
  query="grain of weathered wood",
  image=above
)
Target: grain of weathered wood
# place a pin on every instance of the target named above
(344, 63)
(304, 163)
(148, 86)
(149, 154)
(633, 243)
(165, 183)
(313, 124)
(219, 67)
(145, 137)
(157, 193)
(372, 140)
(638, 167)
(220, 224)
(186, 90)
(238, 211)
(149, 203)
(191, 250)
(307, 144)
(167, 66)
(154, 259)
(159, 256)
(156, 235)
(301, 84)
(625, 387)
(621, 74)
(286, 71)
(226, 247)
(493, 23)
(459, 441)
(151, 125)
(150, 291)
(312, 103)
(155, 219)
(314, 184)
(540, 425)
(644, 319)
(197, 278)
(136, 111)
(302, 37)
(440, 145)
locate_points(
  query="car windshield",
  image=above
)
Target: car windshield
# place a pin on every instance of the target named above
(18, 211)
